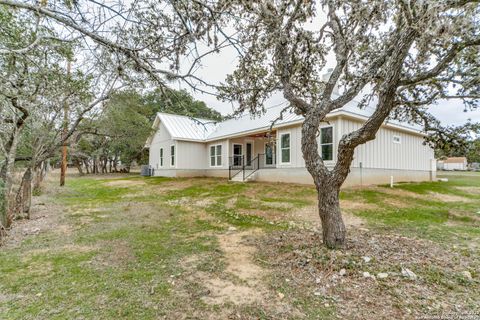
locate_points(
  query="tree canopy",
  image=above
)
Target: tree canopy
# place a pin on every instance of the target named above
(120, 133)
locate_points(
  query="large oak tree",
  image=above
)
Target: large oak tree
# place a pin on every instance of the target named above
(399, 55)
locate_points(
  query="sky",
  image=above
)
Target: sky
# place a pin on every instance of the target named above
(215, 68)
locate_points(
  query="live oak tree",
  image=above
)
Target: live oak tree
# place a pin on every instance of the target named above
(398, 55)
(456, 141)
(33, 90)
(143, 40)
(28, 80)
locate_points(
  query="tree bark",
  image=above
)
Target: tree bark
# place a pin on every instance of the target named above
(87, 167)
(78, 164)
(333, 227)
(23, 199)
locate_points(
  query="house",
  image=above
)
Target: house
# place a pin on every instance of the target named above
(453, 163)
(250, 148)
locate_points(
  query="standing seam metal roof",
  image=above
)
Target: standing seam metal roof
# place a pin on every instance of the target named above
(188, 128)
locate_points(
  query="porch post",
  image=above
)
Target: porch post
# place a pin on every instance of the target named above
(227, 161)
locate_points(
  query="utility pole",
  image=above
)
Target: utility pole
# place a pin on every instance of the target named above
(63, 168)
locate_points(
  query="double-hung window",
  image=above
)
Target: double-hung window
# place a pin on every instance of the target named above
(161, 157)
(172, 156)
(216, 155)
(285, 147)
(326, 143)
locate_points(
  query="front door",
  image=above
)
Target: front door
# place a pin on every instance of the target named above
(237, 155)
(248, 160)
(269, 154)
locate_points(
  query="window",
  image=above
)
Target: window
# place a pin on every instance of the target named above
(326, 143)
(216, 156)
(172, 155)
(161, 157)
(285, 147)
(397, 139)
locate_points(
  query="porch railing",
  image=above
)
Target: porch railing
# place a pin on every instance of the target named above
(238, 164)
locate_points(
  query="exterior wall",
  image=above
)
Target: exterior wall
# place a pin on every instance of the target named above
(296, 156)
(384, 153)
(356, 177)
(191, 155)
(373, 162)
(454, 166)
(161, 139)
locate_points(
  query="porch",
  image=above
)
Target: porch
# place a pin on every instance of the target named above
(251, 153)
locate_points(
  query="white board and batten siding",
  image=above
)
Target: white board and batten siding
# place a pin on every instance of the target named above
(192, 155)
(296, 155)
(391, 149)
(162, 140)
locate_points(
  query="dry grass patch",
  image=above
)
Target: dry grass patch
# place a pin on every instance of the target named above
(125, 183)
(469, 190)
(448, 197)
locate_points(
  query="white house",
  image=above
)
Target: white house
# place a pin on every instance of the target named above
(453, 163)
(245, 148)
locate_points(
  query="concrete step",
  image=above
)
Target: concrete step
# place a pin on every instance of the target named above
(239, 176)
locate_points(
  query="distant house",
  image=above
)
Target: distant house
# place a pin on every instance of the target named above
(453, 163)
(244, 148)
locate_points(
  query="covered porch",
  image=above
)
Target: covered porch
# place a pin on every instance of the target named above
(250, 153)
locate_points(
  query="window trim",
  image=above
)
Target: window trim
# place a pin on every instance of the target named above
(289, 147)
(332, 143)
(173, 156)
(161, 156)
(399, 139)
(214, 146)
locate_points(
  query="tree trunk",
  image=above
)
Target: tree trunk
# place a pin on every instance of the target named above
(333, 228)
(37, 180)
(23, 199)
(7, 201)
(87, 166)
(94, 167)
(78, 164)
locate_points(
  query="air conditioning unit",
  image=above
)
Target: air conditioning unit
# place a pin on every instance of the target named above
(147, 171)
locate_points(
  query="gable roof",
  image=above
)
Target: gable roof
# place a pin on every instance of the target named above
(202, 130)
(186, 128)
(455, 160)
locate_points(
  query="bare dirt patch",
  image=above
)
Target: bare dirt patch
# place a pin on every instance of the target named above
(115, 254)
(339, 278)
(246, 287)
(310, 213)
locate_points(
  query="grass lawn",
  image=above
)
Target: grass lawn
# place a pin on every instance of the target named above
(127, 247)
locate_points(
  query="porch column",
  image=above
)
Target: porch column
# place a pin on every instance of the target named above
(227, 160)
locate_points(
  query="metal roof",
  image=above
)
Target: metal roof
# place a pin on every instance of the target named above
(186, 128)
(248, 122)
(455, 160)
(196, 129)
